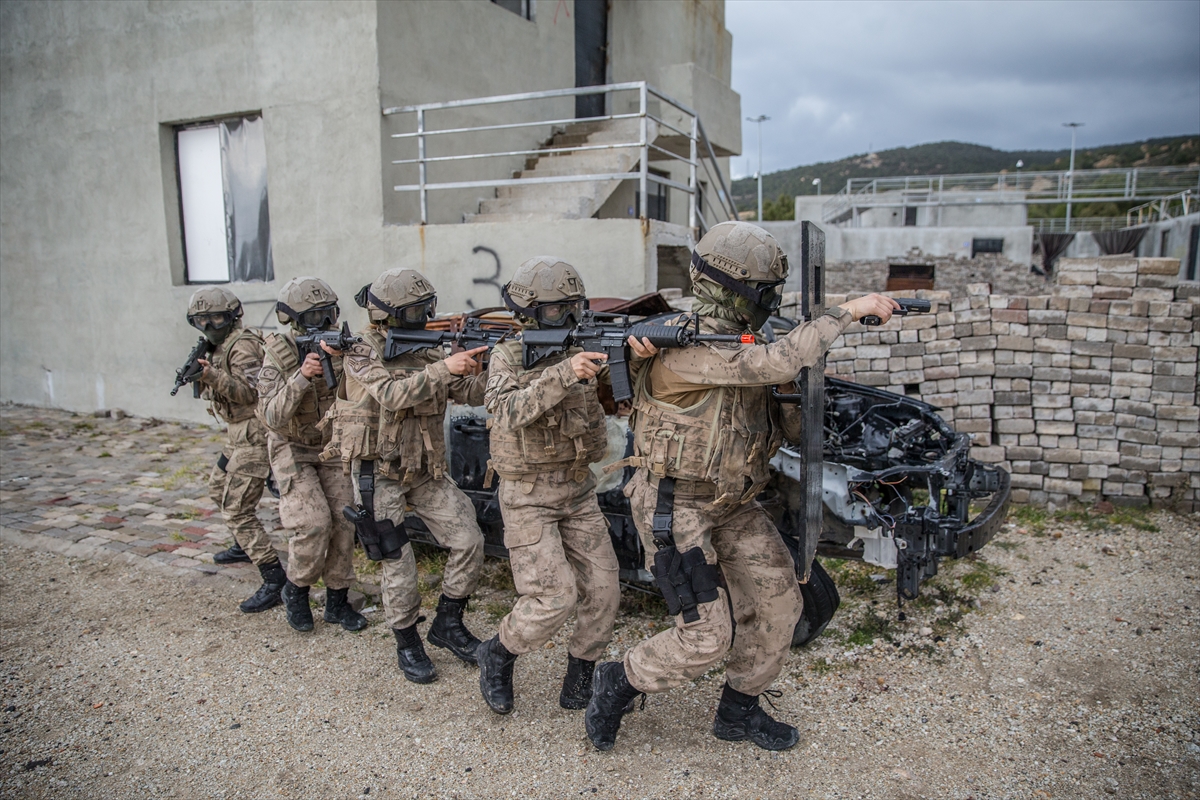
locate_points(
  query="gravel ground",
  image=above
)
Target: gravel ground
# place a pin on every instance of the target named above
(1062, 662)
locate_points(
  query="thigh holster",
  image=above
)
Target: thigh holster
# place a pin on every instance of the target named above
(380, 538)
(685, 579)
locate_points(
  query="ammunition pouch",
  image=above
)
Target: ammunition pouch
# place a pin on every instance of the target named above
(381, 539)
(685, 579)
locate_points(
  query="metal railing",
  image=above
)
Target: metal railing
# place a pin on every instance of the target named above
(1078, 224)
(1177, 205)
(700, 150)
(1082, 186)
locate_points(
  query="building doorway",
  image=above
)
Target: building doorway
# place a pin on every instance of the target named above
(591, 54)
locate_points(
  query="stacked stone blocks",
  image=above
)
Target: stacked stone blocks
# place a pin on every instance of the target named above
(1088, 393)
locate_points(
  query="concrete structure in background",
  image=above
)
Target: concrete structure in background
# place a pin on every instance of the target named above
(976, 235)
(95, 251)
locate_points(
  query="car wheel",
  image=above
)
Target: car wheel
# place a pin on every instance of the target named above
(820, 602)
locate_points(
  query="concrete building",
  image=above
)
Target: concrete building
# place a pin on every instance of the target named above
(152, 146)
(956, 230)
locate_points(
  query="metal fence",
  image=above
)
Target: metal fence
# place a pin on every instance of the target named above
(1082, 186)
(700, 155)
(1078, 224)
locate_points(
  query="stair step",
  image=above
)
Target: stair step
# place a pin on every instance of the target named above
(532, 202)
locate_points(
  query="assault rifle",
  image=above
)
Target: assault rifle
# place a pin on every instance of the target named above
(907, 306)
(609, 336)
(476, 332)
(310, 342)
(191, 370)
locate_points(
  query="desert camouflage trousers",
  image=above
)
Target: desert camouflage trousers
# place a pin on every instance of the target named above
(761, 581)
(562, 560)
(237, 495)
(450, 517)
(321, 541)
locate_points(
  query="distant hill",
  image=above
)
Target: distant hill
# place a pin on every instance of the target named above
(952, 158)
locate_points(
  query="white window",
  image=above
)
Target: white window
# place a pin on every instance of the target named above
(223, 201)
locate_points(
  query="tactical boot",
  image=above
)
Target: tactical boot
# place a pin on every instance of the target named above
(295, 599)
(496, 674)
(410, 653)
(449, 632)
(267, 595)
(577, 684)
(338, 610)
(612, 696)
(231, 555)
(739, 718)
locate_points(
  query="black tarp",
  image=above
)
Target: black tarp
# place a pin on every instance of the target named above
(1115, 243)
(1053, 245)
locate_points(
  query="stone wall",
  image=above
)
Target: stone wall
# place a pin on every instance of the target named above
(1086, 393)
(952, 274)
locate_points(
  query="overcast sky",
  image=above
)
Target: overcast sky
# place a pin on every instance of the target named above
(841, 78)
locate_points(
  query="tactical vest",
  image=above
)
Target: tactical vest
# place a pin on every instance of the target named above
(726, 438)
(283, 354)
(569, 436)
(220, 405)
(409, 442)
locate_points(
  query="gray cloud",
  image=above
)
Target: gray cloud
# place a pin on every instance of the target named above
(839, 77)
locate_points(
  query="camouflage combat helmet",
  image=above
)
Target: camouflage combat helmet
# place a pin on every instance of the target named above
(402, 297)
(744, 260)
(308, 303)
(213, 310)
(546, 289)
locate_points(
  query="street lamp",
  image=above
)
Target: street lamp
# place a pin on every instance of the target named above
(760, 119)
(1071, 170)
(817, 183)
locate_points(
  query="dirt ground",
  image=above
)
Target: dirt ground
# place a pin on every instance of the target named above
(1060, 663)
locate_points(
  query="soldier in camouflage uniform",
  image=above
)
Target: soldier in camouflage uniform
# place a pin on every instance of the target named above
(292, 399)
(547, 427)
(388, 433)
(705, 426)
(229, 382)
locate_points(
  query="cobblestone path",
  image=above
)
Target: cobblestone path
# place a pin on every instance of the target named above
(104, 486)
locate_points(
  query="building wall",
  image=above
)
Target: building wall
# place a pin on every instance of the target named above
(90, 311)
(92, 299)
(432, 51)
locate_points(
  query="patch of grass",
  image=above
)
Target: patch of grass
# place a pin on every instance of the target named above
(871, 627)
(187, 513)
(364, 565)
(187, 473)
(820, 667)
(1036, 518)
(430, 560)
(1031, 517)
(1081, 565)
(497, 575)
(1135, 517)
(104, 454)
(1009, 546)
(178, 537)
(854, 577)
(982, 575)
(496, 609)
(642, 604)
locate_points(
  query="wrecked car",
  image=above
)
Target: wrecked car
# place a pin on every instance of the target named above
(898, 488)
